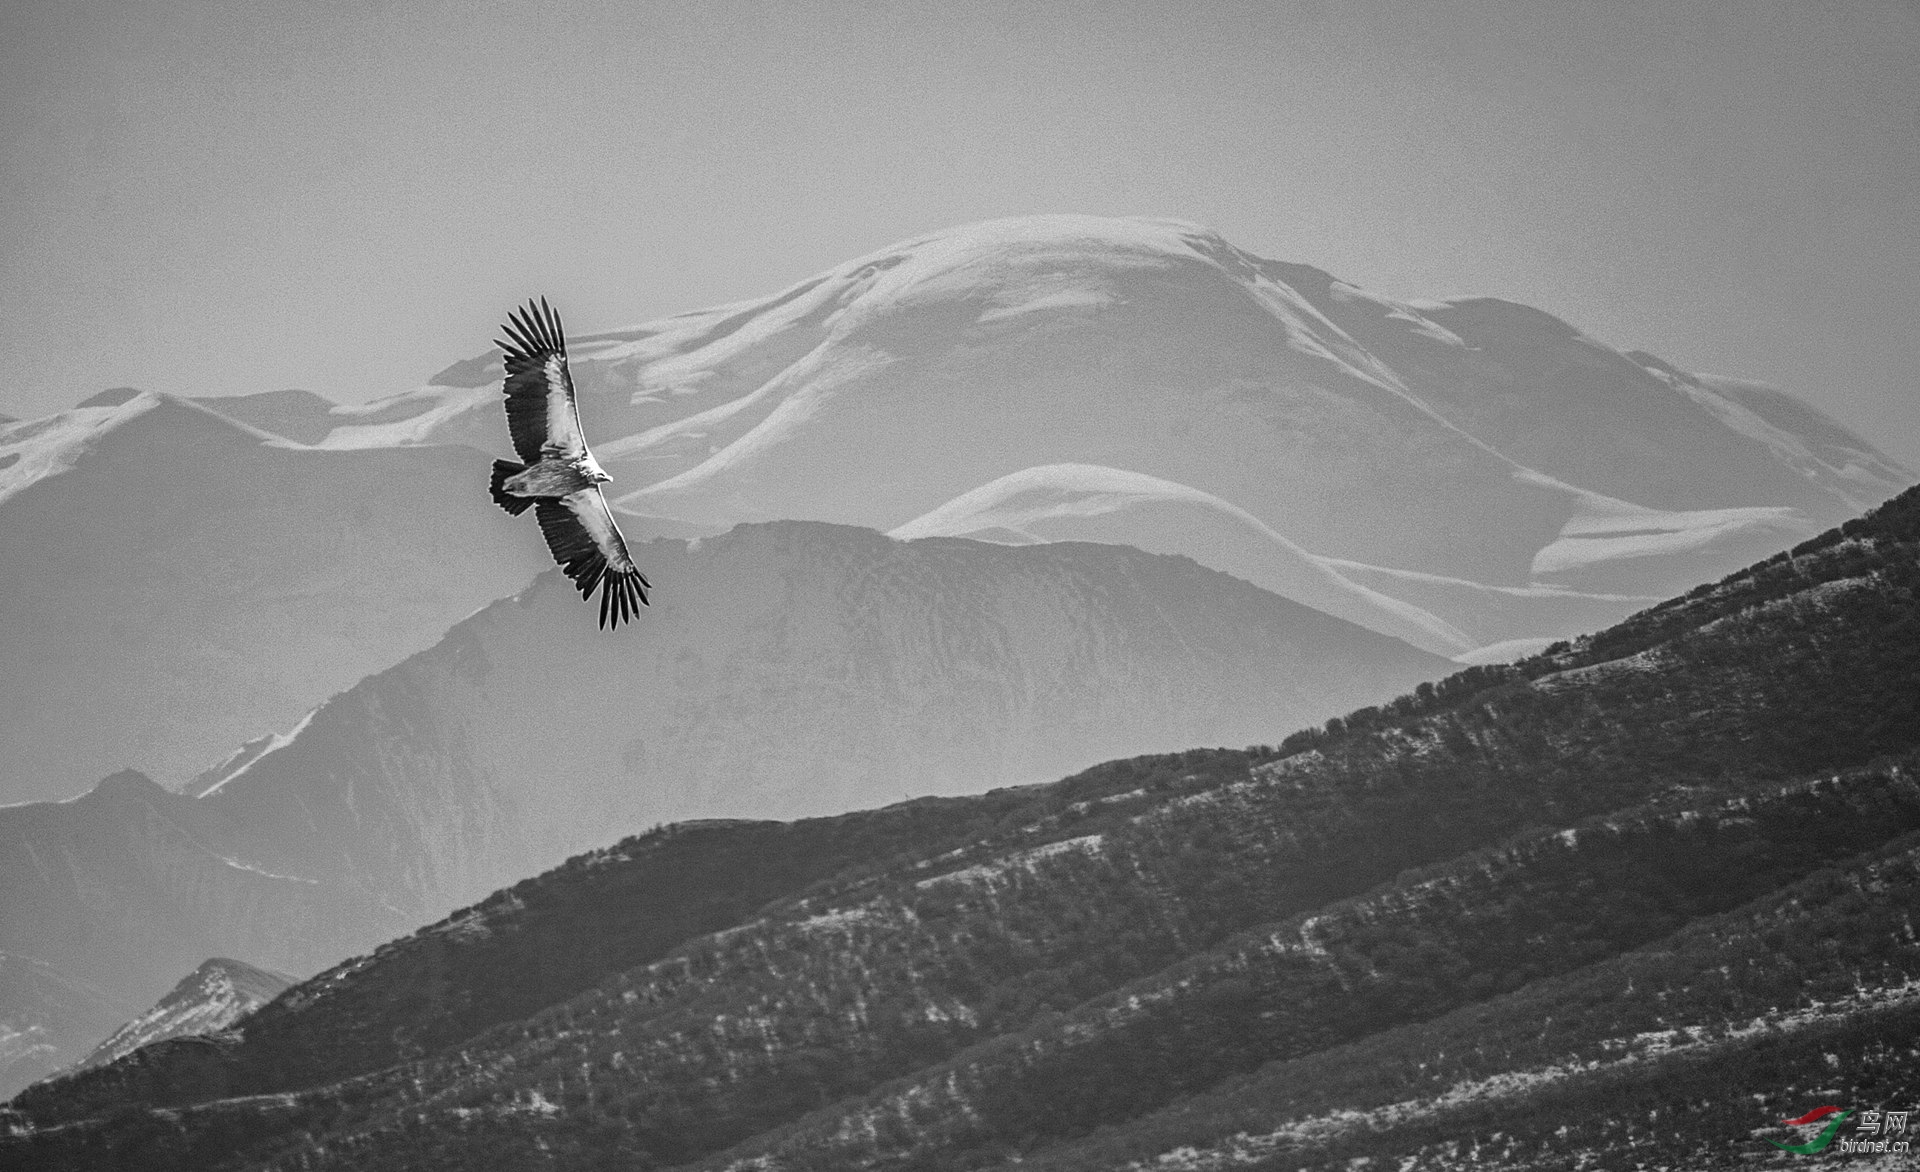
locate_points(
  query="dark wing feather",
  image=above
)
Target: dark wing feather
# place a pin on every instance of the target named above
(541, 415)
(581, 532)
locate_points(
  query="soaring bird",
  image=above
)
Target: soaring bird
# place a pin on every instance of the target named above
(560, 479)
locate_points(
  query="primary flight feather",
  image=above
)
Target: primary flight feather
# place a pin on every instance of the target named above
(560, 480)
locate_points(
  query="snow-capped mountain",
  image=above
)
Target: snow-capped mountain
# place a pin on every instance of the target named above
(173, 582)
(1494, 472)
(1473, 476)
(207, 1000)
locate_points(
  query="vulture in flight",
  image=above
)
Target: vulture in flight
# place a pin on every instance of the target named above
(560, 480)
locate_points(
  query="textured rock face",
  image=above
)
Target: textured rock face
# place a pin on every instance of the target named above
(785, 669)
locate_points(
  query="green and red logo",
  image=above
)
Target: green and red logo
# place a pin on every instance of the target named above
(1818, 1143)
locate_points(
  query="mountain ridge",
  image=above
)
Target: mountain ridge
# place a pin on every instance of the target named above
(207, 1000)
(789, 667)
(1500, 803)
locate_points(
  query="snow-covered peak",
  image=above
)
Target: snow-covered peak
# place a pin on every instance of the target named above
(209, 999)
(35, 449)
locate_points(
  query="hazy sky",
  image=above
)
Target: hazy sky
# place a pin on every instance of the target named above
(216, 198)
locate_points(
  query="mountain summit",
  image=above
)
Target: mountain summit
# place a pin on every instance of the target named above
(1496, 472)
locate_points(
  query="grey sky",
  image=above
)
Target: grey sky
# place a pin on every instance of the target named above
(230, 197)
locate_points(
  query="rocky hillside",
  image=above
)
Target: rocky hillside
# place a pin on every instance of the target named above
(784, 669)
(1640, 895)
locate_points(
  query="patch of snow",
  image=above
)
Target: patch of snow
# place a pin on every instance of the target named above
(993, 872)
(1505, 651)
(34, 449)
(279, 742)
(539, 1104)
(1018, 502)
(1727, 400)
(836, 920)
(1653, 659)
(796, 395)
(1605, 529)
(425, 410)
(1531, 590)
(257, 870)
(16, 1044)
(1401, 311)
(1066, 297)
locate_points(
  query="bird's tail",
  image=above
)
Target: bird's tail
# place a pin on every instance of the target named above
(502, 471)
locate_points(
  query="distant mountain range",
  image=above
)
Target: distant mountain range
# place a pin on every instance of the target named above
(1473, 476)
(1637, 899)
(787, 669)
(173, 583)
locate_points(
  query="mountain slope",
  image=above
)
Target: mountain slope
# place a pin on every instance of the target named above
(1159, 927)
(784, 669)
(788, 669)
(1808, 993)
(180, 582)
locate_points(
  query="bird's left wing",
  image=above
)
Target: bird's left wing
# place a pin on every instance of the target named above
(580, 531)
(541, 413)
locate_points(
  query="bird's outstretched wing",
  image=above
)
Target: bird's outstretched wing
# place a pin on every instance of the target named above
(542, 416)
(580, 531)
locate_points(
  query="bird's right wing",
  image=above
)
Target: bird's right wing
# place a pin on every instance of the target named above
(580, 531)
